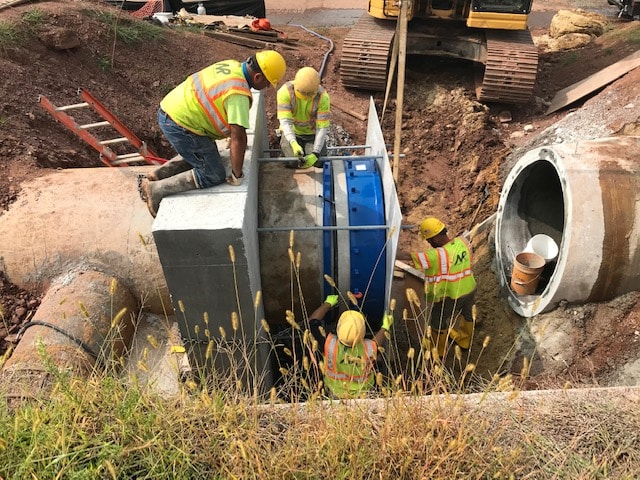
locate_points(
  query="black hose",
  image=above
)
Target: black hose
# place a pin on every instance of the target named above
(74, 339)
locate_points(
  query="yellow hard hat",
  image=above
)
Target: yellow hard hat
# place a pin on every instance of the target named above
(306, 82)
(272, 65)
(430, 227)
(350, 327)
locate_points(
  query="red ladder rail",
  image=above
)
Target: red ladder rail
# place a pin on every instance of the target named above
(107, 155)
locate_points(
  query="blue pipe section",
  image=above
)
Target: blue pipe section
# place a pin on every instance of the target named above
(367, 248)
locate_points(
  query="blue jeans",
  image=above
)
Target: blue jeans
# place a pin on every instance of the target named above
(199, 151)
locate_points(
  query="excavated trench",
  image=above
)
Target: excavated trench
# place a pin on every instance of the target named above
(583, 196)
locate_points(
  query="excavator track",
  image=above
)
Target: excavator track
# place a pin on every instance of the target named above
(365, 54)
(510, 68)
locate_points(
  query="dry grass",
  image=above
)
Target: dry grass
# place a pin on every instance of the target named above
(420, 426)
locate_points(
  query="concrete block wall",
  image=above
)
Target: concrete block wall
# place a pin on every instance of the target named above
(193, 233)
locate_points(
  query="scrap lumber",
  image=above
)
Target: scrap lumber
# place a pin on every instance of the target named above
(228, 20)
(10, 3)
(590, 84)
(237, 39)
(410, 270)
(348, 111)
(272, 35)
(241, 40)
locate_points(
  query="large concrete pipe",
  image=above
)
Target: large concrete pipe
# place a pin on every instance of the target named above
(586, 197)
(83, 217)
(85, 320)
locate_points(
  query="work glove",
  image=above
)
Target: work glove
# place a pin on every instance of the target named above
(235, 181)
(332, 300)
(298, 151)
(309, 161)
(387, 321)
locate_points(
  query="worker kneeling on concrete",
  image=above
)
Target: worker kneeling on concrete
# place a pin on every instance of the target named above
(210, 105)
(303, 112)
(349, 358)
(449, 285)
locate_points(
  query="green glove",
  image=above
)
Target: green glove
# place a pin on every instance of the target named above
(387, 321)
(309, 160)
(332, 300)
(298, 151)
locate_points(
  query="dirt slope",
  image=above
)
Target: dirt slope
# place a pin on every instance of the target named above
(455, 148)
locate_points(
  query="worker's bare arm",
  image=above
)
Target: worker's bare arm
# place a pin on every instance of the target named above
(237, 148)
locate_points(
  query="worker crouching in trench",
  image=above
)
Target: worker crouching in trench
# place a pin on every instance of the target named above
(450, 286)
(345, 363)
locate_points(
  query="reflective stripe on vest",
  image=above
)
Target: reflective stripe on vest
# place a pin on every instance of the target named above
(442, 282)
(211, 98)
(301, 124)
(197, 104)
(331, 353)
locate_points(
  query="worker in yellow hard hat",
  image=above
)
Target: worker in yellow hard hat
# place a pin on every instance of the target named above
(209, 105)
(349, 358)
(303, 111)
(449, 285)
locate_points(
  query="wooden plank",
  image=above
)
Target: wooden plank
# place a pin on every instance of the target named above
(410, 270)
(237, 39)
(590, 84)
(11, 3)
(341, 107)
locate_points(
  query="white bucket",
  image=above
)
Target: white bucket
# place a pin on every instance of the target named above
(544, 246)
(163, 17)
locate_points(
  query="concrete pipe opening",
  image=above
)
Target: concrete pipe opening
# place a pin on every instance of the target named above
(585, 197)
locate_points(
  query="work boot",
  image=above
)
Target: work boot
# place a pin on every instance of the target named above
(168, 169)
(156, 191)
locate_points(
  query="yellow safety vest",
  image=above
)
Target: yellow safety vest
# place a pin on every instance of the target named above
(447, 270)
(348, 371)
(306, 115)
(197, 104)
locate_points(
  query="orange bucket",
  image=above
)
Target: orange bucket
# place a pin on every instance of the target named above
(527, 268)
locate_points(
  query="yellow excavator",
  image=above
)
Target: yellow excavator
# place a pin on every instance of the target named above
(491, 33)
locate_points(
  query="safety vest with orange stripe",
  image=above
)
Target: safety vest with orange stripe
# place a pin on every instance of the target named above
(197, 104)
(306, 115)
(447, 270)
(349, 370)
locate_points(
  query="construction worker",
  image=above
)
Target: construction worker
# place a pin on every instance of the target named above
(303, 112)
(209, 105)
(449, 285)
(349, 358)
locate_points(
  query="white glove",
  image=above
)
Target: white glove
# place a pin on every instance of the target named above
(235, 181)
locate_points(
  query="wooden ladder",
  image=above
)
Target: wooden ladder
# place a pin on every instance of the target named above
(107, 155)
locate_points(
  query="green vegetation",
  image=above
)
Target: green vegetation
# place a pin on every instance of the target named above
(13, 35)
(105, 62)
(570, 58)
(10, 37)
(34, 19)
(630, 35)
(103, 428)
(125, 28)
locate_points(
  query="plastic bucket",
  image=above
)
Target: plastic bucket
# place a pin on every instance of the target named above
(544, 246)
(527, 267)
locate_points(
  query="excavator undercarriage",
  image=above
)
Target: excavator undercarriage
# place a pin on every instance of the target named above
(507, 59)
